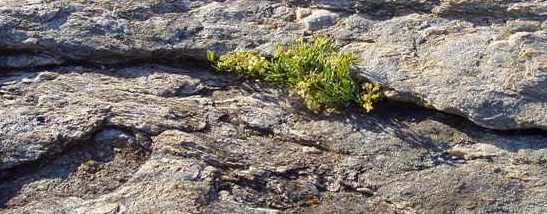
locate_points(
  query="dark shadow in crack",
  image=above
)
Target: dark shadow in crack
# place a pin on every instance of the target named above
(399, 120)
(403, 120)
(86, 170)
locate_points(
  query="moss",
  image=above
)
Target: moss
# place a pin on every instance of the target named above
(316, 70)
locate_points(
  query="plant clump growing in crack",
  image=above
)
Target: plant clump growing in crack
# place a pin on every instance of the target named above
(316, 70)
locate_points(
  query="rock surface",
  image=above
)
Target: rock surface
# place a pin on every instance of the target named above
(494, 76)
(148, 139)
(103, 109)
(484, 60)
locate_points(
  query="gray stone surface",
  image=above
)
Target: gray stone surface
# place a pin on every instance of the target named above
(177, 140)
(319, 19)
(496, 77)
(484, 60)
(103, 109)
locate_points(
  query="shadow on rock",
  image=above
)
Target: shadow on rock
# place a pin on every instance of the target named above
(86, 170)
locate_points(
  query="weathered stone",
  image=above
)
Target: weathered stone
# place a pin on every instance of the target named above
(478, 54)
(256, 152)
(27, 60)
(493, 7)
(319, 19)
(493, 79)
(78, 135)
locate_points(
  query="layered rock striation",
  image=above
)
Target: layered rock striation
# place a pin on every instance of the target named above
(107, 107)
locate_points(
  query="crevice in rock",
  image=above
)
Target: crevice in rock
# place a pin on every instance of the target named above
(61, 143)
(365, 192)
(263, 192)
(310, 143)
(226, 157)
(168, 57)
(200, 64)
(89, 167)
(460, 120)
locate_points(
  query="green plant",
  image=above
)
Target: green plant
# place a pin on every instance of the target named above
(318, 72)
(370, 94)
(242, 62)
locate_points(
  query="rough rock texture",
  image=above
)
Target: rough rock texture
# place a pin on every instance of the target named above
(494, 76)
(103, 109)
(151, 139)
(484, 60)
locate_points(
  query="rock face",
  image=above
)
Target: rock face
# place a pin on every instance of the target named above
(484, 60)
(155, 139)
(495, 77)
(103, 109)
